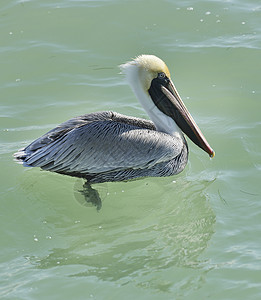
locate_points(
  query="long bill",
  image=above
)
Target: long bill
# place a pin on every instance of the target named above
(167, 99)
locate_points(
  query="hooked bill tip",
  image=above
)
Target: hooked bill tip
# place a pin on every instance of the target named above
(212, 154)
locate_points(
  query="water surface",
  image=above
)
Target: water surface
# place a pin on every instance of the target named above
(191, 236)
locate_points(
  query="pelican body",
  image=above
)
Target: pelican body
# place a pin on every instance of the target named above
(108, 146)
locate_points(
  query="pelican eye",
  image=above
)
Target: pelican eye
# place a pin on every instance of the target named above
(161, 75)
(163, 78)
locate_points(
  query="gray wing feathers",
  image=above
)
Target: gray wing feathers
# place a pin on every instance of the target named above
(101, 142)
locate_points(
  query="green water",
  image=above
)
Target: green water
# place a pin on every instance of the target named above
(191, 236)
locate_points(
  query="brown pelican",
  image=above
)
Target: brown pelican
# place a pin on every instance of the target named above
(107, 146)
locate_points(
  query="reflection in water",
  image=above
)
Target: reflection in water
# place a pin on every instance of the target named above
(87, 195)
(143, 240)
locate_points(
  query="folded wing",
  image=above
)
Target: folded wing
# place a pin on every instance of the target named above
(99, 143)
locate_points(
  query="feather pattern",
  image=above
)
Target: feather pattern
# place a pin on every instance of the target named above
(106, 146)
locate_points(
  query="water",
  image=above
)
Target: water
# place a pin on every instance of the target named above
(191, 236)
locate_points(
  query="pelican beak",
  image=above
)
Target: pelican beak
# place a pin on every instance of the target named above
(167, 99)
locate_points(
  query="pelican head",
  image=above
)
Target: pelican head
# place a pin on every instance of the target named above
(149, 78)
